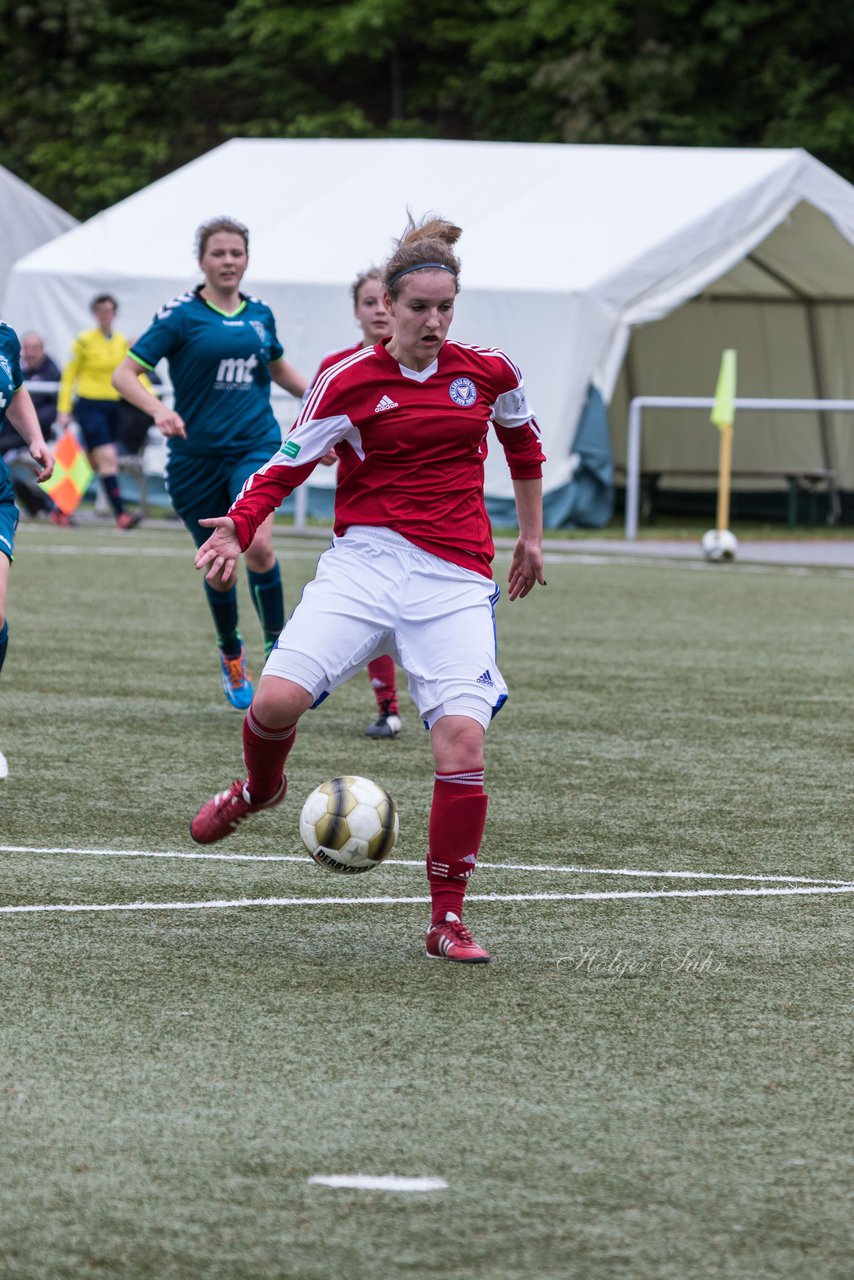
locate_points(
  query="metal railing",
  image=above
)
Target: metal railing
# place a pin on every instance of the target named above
(633, 444)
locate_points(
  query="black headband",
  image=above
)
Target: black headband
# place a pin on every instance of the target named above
(421, 266)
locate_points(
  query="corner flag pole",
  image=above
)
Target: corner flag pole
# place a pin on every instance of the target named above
(723, 415)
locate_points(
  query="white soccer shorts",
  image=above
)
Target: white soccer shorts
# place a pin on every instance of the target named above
(374, 593)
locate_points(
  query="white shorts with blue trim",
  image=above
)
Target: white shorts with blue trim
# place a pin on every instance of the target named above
(375, 593)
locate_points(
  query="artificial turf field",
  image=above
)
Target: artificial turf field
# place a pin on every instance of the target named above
(651, 1087)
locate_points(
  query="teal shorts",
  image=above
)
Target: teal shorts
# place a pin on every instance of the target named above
(8, 512)
(199, 487)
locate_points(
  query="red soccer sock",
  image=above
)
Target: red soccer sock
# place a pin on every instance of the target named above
(383, 680)
(264, 754)
(457, 819)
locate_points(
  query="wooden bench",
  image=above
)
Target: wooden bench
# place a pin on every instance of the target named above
(799, 480)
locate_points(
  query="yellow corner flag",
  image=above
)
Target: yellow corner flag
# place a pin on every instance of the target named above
(723, 412)
(72, 474)
(722, 416)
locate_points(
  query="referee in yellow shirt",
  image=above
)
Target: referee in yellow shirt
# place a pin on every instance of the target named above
(96, 353)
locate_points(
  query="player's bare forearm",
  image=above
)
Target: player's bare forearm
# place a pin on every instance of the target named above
(126, 380)
(23, 417)
(526, 566)
(288, 378)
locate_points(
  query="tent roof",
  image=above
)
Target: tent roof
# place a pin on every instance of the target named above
(564, 249)
(541, 217)
(781, 269)
(27, 219)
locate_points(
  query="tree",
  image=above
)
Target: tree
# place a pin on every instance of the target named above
(99, 98)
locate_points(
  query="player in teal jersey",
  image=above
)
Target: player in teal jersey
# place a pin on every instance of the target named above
(223, 352)
(15, 403)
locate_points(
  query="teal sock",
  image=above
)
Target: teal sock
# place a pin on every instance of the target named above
(268, 596)
(223, 606)
(4, 640)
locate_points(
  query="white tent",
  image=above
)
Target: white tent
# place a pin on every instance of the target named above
(27, 220)
(566, 250)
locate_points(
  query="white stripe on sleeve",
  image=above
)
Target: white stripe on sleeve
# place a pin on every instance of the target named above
(312, 438)
(511, 409)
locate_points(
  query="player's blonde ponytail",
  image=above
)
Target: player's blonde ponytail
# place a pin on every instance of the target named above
(424, 244)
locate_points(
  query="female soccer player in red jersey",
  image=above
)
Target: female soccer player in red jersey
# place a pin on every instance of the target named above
(375, 323)
(409, 571)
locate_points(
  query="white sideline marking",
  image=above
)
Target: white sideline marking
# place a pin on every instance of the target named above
(657, 875)
(123, 549)
(418, 864)
(555, 556)
(651, 561)
(220, 903)
(387, 1182)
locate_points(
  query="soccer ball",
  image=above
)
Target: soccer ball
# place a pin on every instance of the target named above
(349, 824)
(719, 545)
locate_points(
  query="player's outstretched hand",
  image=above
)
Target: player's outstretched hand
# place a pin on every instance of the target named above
(526, 568)
(221, 551)
(43, 458)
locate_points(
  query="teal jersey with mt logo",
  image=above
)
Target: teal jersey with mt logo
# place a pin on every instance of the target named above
(219, 366)
(11, 377)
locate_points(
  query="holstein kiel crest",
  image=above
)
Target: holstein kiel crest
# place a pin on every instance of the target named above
(463, 392)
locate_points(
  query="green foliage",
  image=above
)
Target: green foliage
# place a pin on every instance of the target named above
(98, 99)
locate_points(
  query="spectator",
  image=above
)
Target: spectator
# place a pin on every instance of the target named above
(37, 366)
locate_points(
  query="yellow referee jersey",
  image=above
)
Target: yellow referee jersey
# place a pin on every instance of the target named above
(94, 357)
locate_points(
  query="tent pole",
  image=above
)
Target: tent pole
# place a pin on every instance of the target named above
(633, 453)
(631, 372)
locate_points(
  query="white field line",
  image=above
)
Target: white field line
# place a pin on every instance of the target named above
(762, 568)
(595, 559)
(167, 553)
(418, 865)
(222, 903)
(384, 1182)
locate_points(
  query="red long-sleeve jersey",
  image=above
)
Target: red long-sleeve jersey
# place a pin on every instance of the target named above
(334, 356)
(412, 445)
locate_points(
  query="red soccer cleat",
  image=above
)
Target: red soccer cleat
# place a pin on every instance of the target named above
(128, 520)
(225, 811)
(452, 941)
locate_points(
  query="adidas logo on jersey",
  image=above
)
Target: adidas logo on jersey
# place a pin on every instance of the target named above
(486, 678)
(386, 403)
